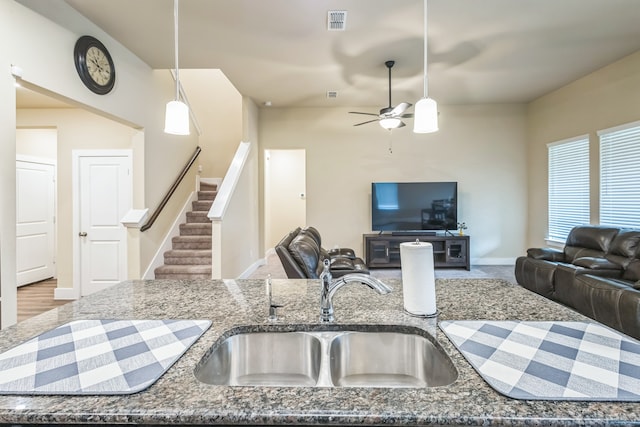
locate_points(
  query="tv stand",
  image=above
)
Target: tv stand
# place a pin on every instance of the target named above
(413, 233)
(383, 250)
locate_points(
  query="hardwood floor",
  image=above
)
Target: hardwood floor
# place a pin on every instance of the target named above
(37, 298)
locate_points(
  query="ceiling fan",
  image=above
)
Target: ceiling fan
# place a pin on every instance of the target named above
(389, 117)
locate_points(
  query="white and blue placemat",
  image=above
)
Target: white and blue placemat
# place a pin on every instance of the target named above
(97, 356)
(550, 360)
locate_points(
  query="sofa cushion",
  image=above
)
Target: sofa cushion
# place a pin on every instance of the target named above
(632, 272)
(588, 241)
(596, 263)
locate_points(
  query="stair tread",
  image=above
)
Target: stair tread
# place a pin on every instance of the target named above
(188, 253)
(184, 268)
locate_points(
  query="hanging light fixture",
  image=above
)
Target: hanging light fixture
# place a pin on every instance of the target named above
(426, 109)
(176, 119)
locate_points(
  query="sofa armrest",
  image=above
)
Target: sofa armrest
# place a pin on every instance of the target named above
(342, 252)
(547, 254)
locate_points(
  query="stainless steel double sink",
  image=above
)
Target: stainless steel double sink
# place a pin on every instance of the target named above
(336, 356)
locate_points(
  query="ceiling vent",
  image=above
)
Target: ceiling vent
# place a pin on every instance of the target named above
(336, 20)
(332, 94)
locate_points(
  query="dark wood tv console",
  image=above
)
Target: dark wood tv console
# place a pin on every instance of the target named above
(383, 250)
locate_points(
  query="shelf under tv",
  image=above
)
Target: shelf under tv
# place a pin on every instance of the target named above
(449, 251)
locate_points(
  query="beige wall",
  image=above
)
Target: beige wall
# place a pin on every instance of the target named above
(77, 130)
(138, 100)
(218, 107)
(481, 147)
(41, 143)
(603, 99)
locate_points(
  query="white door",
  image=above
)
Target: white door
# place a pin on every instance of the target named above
(285, 193)
(104, 198)
(35, 230)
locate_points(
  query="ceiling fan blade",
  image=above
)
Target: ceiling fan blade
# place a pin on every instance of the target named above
(358, 112)
(401, 125)
(364, 123)
(406, 116)
(400, 108)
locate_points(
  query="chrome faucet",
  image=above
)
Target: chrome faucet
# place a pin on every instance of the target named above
(273, 307)
(330, 287)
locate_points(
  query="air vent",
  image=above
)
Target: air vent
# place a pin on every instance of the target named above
(336, 20)
(332, 94)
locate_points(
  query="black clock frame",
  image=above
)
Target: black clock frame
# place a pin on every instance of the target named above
(83, 44)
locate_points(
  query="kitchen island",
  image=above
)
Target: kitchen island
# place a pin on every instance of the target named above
(178, 398)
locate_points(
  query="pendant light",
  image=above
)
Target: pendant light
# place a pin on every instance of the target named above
(426, 110)
(176, 119)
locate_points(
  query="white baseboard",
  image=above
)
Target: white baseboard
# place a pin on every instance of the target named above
(493, 261)
(253, 267)
(64, 294)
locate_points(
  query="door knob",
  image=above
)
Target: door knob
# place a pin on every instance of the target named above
(82, 234)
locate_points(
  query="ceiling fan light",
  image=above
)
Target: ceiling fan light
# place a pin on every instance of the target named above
(390, 123)
(425, 118)
(176, 119)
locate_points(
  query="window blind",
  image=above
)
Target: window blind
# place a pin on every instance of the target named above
(568, 186)
(620, 176)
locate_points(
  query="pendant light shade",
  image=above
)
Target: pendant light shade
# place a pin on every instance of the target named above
(176, 119)
(425, 116)
(425, 119)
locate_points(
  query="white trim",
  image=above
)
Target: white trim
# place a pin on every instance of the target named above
(252, 268)
(167, 244)
(65, 294)
(618, 128)
(493, 261)
(75, 182)
(34, 159)
(565, 141)
(225, 191)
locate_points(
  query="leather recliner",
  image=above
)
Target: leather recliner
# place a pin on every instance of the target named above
(302, 256)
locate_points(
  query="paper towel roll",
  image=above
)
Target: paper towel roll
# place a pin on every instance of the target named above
(418, 278)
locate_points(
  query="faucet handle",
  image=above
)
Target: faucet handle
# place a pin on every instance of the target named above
(326, 271)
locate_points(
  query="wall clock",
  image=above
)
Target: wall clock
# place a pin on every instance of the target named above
(94, 65)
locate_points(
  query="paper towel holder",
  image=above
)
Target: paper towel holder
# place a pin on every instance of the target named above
(424, 316)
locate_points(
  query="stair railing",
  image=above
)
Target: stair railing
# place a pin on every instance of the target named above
(147, 225)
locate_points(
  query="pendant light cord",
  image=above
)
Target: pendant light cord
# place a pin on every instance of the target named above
(175, 30)
(426, 90)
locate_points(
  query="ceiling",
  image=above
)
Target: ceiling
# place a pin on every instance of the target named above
(480, 51)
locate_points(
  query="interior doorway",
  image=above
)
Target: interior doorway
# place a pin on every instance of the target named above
(103, 183)
(285, 193)
(35, 219)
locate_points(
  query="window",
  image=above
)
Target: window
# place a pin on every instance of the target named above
(620, 176)
(568, 186)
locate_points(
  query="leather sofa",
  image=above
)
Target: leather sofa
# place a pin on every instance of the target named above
(302, 256)
(597, 273)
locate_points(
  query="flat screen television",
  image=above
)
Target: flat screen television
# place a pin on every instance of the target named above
(414, 206)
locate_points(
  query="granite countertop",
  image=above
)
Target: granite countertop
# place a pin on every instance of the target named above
(179, 398)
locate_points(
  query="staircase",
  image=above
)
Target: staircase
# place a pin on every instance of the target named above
(190, 256)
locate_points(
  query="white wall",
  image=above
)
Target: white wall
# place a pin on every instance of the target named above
(138, 100)
(603, 99)
(481, 147)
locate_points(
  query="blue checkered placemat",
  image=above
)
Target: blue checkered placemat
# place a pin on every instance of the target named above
(550, 360)
(97, 356)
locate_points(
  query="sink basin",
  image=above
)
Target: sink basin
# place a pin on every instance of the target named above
(327, 356)
(263, 359)
(388, 359)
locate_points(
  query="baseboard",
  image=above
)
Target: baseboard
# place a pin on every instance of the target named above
(493, 261)
(252, 268)
(64, 294)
